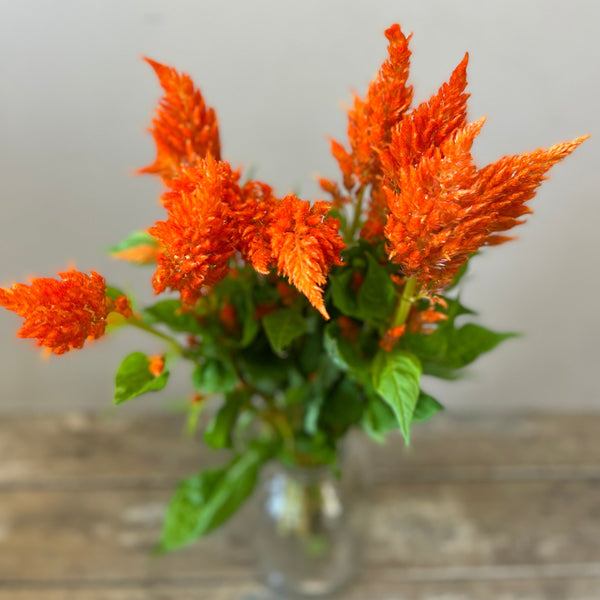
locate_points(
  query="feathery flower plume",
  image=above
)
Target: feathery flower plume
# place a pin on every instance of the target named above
(442, 208)
(305, 244)
(184, 128)
(201, 232)
(371, 121)
(370, 125)
(63, 314)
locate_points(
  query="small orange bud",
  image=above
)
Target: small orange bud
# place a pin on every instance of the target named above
(156, 364)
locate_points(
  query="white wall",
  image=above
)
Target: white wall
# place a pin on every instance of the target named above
(75, 99)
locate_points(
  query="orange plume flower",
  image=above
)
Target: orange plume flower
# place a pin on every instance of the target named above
(305, 244)
(63, 314)
(254, 215)
(371, 120)
(184, 128)
(441, 207)
(200, 235)
(370, 125)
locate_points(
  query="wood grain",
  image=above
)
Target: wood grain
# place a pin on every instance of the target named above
(497, 508)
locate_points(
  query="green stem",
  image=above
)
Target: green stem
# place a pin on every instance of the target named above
(139, 324)
(405, 303)
(357, 214)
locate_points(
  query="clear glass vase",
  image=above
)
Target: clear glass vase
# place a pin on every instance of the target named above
(308, 537)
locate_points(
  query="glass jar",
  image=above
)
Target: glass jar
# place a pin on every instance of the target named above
(308, 537)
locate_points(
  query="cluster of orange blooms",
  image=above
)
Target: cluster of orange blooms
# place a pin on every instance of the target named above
(428, 201)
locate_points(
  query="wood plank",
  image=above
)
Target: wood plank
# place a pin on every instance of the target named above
(490, 589)
(78, 451)
(99, 535)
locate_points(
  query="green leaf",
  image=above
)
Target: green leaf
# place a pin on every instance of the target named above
(344, 354)
(450, 348)
(343, 407)
(113, 292)
(214, 376)
(263, 369)
(426, 407)
(170, 313)
(378, 418)
(206, 500)
(377, 295)
(282, 327)
(134, 240)
(342, 295)
(134, 378)
(218, 431)
(312, 410)
(469, 342)
(396, 377)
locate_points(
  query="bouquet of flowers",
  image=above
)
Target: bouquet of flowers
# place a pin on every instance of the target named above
(302, 320)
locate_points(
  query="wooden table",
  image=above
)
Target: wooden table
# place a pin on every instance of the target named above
(479, 507)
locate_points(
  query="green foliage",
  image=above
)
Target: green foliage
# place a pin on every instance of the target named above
(373, 298)
(113, 292)
(171, 314)
(396, 377)
(342, 408)
(450, 348)
(218, 433)
(206, 500)
(426, 407)
(134, 378)
(378, 418)
(346, 355)
(377, 294)
(214, 376)
(282, 327)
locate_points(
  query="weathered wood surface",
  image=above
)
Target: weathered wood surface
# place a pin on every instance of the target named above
(486, 507)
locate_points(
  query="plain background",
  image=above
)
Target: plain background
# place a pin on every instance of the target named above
(76, 98)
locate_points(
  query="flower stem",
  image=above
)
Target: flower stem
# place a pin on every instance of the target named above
(357, 214)
(139, 324)
(405, 303)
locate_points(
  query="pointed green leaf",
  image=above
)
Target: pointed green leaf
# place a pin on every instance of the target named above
(134, 378)
(282, 327)
(470, 341)
(378, 418)
(218, 431)
(113, 292)
(205, 501)
(396, 377)
(426, 407)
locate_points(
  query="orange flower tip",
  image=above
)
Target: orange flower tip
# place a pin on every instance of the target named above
(322, 310)
(156, 364)
(153, 63)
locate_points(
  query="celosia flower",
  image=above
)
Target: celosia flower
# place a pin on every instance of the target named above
(184, 128)
(441, 207)
(370, 121)
(201, 232)
(63, 314)
(305, 244)
(254, 215)
(370, 125)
